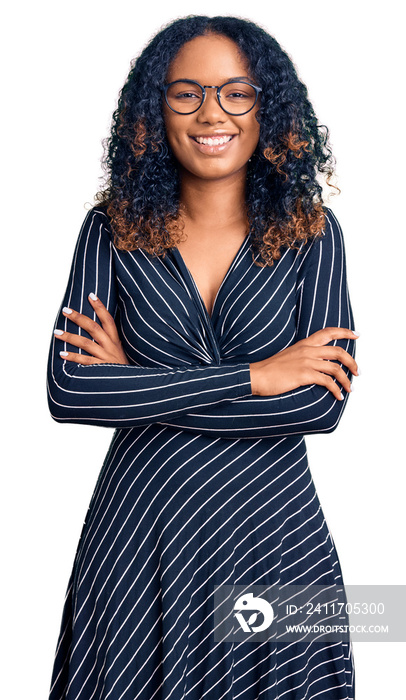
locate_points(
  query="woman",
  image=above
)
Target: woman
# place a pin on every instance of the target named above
(207, 319)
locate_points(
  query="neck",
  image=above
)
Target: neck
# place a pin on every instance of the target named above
(214, 203)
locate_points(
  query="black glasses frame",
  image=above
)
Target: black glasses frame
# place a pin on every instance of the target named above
(218, 88)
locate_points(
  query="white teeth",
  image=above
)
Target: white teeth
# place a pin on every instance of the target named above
(213, 141)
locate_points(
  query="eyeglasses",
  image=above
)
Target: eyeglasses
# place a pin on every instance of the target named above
(236, 97)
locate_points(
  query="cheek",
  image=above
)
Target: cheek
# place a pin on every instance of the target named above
(252, 138)
(250, 127)
(175, 133)
(255, 127)
(177, 146)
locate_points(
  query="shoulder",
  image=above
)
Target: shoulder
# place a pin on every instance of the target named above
(95, 236)
(330, 239)
(98, 214)
(96, 223)
(332, 229)
(324, 251)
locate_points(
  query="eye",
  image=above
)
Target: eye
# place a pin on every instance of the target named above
(238, 93)
(186, 96)
(184, 92)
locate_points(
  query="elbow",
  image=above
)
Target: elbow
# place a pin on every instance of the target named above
(328, 426)
(61, 398)
(329, 419)
(320, 411)
(59, 419)
(58, 389)
(59, 412)
(58, 415)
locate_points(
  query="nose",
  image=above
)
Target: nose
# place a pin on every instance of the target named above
(210, 111)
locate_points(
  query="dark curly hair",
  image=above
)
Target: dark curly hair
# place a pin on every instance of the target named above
(283, 197)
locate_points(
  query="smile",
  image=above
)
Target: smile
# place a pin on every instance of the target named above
(213, 140)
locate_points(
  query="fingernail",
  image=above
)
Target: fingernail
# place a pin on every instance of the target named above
(356, 333)
(352, 387)
(342, 397)
(66, 310)
(63, 353)
(93, 296)
(58, 332)
(358, 372)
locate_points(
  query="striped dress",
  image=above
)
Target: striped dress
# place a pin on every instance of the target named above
(204, 485)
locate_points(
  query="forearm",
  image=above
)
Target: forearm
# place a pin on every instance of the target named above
(126, 396)
(307, 410)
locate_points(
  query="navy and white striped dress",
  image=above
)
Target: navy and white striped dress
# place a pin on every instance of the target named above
(204, 483)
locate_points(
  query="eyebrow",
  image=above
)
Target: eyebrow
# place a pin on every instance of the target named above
(237, 78)
(241, 77)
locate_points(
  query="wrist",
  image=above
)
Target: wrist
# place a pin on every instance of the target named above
(254, 376)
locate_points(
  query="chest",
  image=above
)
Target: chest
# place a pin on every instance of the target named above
(208, 265)
(173, 311)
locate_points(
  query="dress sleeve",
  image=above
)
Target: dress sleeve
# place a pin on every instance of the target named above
(322, 301)
(116, 395)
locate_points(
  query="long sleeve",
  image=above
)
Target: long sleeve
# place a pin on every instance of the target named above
(322, 301)
(124, 396)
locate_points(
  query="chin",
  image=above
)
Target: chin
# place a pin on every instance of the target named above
(215, 171)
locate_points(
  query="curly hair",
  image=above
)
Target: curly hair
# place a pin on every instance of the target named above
(284, 201)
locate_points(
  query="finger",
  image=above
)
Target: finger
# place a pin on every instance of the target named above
(335, 352)
(333, 369)
(326, 335)
(80, 359)
(92, 327)
(325, 380)
(81, 342)
(105, 317)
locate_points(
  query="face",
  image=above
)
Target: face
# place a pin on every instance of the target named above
(211, 60)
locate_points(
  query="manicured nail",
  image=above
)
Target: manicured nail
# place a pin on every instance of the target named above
(358, 372)
(66, 310)
(93, 296)
(58, 332)
(356, 333)
(63, 353)
(352, 387)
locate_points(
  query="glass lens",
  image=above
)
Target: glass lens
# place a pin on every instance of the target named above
(237, 98)
(184, 97)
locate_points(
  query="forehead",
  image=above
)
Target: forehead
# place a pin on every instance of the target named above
(209, 59)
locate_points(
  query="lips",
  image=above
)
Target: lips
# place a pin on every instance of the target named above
(213, 140)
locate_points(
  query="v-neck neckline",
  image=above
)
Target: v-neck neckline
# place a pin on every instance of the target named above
(179, 255)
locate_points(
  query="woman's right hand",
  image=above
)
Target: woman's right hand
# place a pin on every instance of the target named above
(309, 361)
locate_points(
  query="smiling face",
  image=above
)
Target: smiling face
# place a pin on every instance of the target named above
(211, 144)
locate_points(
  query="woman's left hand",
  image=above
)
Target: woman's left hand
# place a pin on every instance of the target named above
(106, 345)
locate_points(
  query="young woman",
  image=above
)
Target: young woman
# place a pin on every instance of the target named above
(207, 319)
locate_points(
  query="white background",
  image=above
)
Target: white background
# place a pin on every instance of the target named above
(64, 64)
